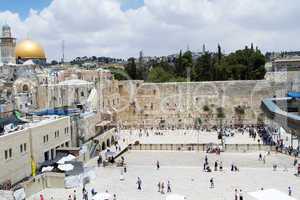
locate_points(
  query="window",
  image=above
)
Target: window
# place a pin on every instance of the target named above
(6, 154)
(46, 138)
(56, 134)
(10, 153)
(21, 148)
(66, 130)
(24, 147)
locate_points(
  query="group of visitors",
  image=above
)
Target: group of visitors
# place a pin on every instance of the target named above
(161, 187)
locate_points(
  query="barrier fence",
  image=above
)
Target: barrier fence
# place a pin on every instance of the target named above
(202, 147)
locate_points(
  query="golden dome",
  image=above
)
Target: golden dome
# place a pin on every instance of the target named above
(28, 49)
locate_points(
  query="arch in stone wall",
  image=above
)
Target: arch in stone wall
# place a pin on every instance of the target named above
(108, 143)
(103, 146)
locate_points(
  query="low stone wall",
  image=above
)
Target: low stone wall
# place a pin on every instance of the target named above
(43, 181)
(201, 147)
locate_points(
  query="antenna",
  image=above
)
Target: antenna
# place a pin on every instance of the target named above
(63, 52)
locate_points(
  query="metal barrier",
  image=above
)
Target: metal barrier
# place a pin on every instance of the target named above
(201, 147)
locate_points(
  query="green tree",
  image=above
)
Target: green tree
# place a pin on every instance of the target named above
(130, 68)
(158, 75)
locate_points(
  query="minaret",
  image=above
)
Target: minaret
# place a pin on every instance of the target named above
(7, 46)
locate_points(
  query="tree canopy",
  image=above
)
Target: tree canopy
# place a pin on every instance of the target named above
(244, 64)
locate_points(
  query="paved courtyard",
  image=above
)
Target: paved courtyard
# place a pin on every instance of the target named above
(184, 170)
(186, 137)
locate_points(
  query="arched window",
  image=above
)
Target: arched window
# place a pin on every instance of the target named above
(25, 88)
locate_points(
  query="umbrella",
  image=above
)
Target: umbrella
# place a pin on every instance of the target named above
(47, 169)
(67, 158)
(175, 197)
(66, 167)
(102, 196)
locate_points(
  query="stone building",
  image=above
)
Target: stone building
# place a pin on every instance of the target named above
(7, 46)
(35, 141)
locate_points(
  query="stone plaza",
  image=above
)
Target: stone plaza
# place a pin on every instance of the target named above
(184, 170)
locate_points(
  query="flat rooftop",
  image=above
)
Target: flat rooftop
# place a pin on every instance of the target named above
(184, 170)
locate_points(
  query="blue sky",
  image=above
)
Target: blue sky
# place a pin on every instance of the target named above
(23, 8)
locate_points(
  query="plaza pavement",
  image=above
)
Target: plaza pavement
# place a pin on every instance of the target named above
(184, 170)
(186, 137)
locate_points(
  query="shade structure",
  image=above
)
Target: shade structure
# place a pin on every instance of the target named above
(175, 197)
(270, 194)
(102, 196)
(67, 158)
(66, 167)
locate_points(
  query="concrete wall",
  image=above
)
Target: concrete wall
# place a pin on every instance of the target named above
(43, 181)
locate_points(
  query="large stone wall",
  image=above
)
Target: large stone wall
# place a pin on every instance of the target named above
(179, 104)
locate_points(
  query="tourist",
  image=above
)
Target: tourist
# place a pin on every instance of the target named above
(139, 183)
(241, 195)
(41, 197)
(99, 161)
(221, 166)
(169, 187)
(85, 194)
(212, 185)
(216, 166)
(74, 195)
(260, 157)
(295, 162)
(69, 198)
(114, 197)
(290, 191)
(157, 165)
(162, 188)
(206, 160)
(158, 185)
(125, 169)
(93, 192)
(236, 195)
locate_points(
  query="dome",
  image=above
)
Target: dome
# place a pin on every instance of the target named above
(28, 49)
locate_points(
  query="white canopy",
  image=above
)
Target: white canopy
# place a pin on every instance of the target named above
(47, 169)
(270, 194)
(102, 196)
(66, 167)
(67, 158)
(175, 197)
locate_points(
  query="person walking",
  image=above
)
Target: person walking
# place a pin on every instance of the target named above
(158, 185)
(216, 166)
(212, 184)
(236, 195)
(169, 187)
(290, 191)
(114, 197)
(162, 188)
(139, 183)
(260, 157)
(241, 195)
(69, 198)
(157, 165)
(99, 160)
(74, 195)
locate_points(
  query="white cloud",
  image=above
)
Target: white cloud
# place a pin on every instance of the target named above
(160, 27)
